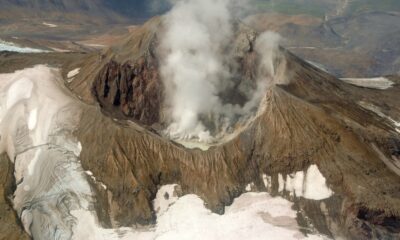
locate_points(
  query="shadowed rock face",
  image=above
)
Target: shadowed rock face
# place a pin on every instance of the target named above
(313, 119)
(130, 91)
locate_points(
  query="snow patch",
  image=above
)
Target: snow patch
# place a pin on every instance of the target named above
(166, 196)
(309, 184)
(78, 149)
(378, 112)
(193, 144)
(315, 185)
(103, 186)
(11, 47)
(90, 174)
(72, 74)
(380, 83)
(281, 183)
(50, 25)
(267, 181)
(294, 183)
(248, 187)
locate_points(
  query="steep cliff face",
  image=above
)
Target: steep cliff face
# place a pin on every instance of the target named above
(133, 56)
(312, 121)
(130, 91)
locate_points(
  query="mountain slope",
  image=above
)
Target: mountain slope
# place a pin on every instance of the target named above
(313, 119)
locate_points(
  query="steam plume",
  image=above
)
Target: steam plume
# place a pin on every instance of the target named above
(195, 68)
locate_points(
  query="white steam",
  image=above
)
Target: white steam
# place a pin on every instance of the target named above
(267, 44)
(196, 66)
(197, 30)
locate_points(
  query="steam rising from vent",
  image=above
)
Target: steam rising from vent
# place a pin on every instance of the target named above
(267, 44)
(198, 66)
(197, 31)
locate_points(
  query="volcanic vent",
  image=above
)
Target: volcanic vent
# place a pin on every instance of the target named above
(199, 87)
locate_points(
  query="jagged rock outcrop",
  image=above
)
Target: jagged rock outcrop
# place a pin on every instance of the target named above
(136, 51)
(130, 91)
(314, 119)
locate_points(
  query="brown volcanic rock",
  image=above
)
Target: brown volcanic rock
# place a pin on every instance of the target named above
(313, 119)
(10, 227)
(128, 83)
(135, 51)
(133, 90)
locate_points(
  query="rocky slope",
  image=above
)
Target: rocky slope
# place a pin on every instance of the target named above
(349, 133)
(130, 91)
(10, 226)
